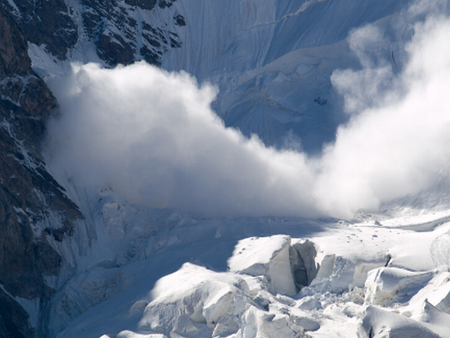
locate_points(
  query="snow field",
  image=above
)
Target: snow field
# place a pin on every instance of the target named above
(348, 280)
(367, 298)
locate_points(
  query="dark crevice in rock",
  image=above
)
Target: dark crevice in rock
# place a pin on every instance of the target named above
(166, 3)
(144, 4)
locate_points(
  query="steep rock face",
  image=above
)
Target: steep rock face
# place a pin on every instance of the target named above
(122, 31)
(33, 207)
(46, 23)
(34, 210)
(14, 319)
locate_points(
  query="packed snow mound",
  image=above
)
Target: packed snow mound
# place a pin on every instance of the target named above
(194, 295)
(267, 257)
(386, 286)
(434, 319)
(379, 323)
(352, 293)
(287, 266)
(195, 302)
(440, 296)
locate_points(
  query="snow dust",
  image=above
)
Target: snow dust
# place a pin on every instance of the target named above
(152, 136)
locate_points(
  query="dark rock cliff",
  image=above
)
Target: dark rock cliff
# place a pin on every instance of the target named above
(30, 199)
(28, 194)
(45, 22)
(118, 28)
(121, 33)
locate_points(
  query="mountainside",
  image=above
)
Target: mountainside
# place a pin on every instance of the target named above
(36, 214)
(34, 208)
(289, 156)
(281, 54)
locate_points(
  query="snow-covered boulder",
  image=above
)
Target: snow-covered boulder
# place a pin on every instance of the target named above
(193, 296)
(197, 302)
(379, 323)
(385, 286)
(435, 319)
(265, 256)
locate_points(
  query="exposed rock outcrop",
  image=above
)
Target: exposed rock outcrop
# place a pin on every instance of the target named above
(46, 23)
(122, 31)
(29, 196)
(34, 210)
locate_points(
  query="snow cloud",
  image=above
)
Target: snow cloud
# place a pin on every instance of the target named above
(152, 136)
(398, 145)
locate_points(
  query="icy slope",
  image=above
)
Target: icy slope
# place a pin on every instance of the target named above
(241, 37)
(273, 60)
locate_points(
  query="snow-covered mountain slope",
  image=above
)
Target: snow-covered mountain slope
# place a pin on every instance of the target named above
(281, 55)
(271, 62)
(325, 279)
(291, 72)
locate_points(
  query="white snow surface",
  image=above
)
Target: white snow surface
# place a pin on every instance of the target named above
(132, 271)
(267, 257)
(352, 294)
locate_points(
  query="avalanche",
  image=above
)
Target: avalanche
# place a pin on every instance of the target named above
(195, 228)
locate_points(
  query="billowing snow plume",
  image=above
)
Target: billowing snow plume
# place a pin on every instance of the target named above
(152, 137)
(399, 144)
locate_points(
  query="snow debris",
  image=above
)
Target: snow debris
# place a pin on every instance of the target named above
(129, 334)
(195, 301)
(287, 266)
(386, 286)
(379, 323)
(267, 257)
